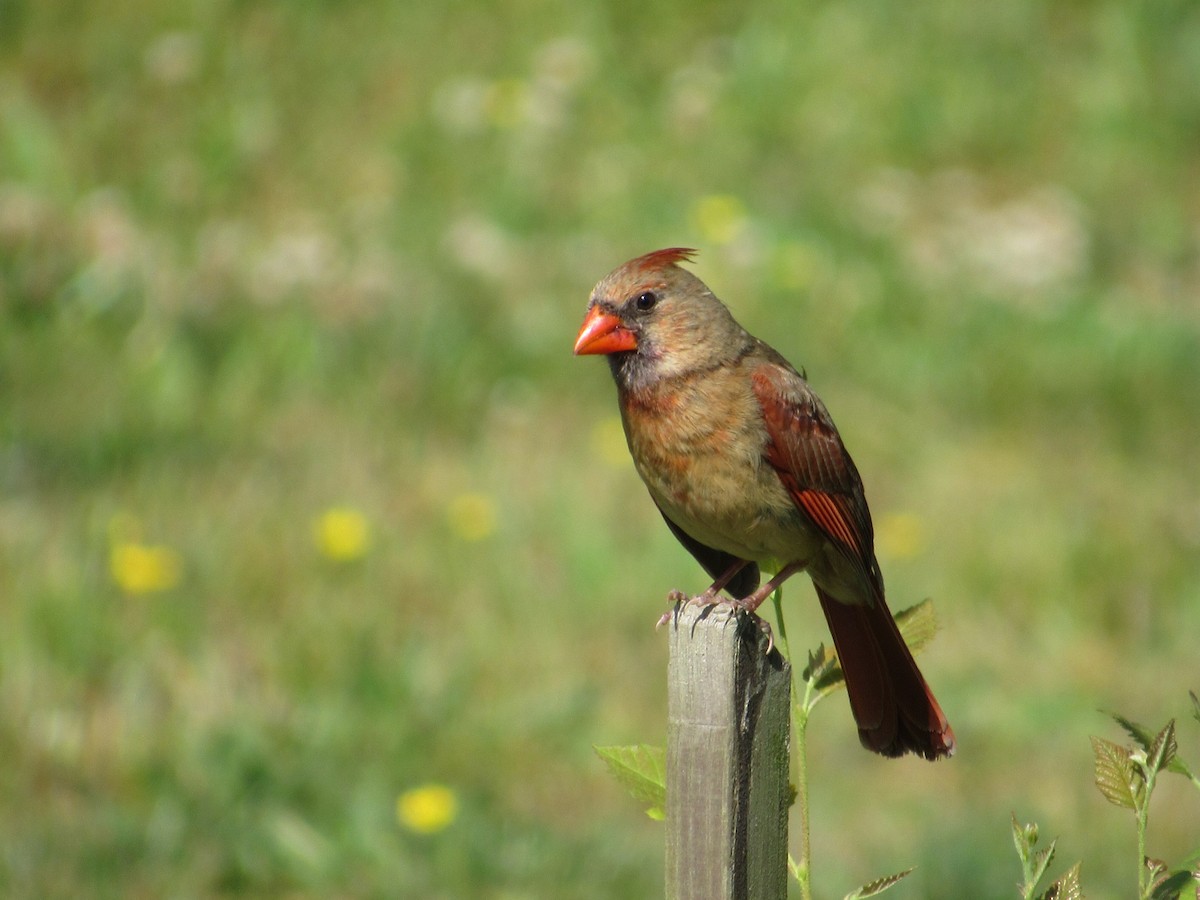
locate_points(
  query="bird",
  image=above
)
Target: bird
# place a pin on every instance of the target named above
(744, 463)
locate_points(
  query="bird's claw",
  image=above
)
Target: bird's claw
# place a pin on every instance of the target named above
(763, 625)
(678, 599)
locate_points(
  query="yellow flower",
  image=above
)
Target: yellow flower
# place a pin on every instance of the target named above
(720, 218)
(901, 535)
(608, 442)
(140, 569)
(427, 809)
(472, 516)
(342, 534)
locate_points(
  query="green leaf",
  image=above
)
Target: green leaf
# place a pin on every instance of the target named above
(1162, 751)
(1115, 776)
(918, 625)
(1140, 733)
(1171, 887)
(1144, 739)
(1158, 869)
(1038, 863)
(1195, 705)
(1024, 837)
(641, 769)
(1033, 863)
(878, 886)
(1179, 767)
(1065, 888)
(823, 672)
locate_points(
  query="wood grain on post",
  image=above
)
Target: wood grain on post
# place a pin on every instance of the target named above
(727, 759)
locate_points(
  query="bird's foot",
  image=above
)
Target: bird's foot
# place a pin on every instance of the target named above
(678, 599)
(709, 599)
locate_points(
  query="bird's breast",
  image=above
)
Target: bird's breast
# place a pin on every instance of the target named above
(701, 458)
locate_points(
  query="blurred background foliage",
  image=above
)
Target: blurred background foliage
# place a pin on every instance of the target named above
(322, 566)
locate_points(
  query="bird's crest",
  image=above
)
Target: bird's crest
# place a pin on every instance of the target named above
(660, 259)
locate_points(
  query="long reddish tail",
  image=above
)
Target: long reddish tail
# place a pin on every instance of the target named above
(893, 706)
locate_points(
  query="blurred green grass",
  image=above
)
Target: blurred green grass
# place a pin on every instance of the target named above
(262, 260)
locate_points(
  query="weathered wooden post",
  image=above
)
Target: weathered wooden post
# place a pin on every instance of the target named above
(727, 759)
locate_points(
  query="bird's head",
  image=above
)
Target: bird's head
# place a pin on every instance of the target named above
(654, 319)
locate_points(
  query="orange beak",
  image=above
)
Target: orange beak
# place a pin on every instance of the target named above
(603, 333)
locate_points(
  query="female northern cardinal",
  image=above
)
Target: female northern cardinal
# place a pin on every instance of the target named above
(747, 468)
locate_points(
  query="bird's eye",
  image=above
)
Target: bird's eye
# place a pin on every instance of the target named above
(645, 301)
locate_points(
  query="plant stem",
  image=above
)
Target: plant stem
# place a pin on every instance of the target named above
(800, 710)
(1143, 871)
(1145, 881)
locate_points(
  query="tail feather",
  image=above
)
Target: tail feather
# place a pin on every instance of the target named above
(894, 708)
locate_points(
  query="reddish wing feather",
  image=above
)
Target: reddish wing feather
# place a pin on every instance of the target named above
(807, 452)
(826, 510)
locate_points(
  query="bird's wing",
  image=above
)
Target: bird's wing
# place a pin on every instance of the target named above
(805, 449)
